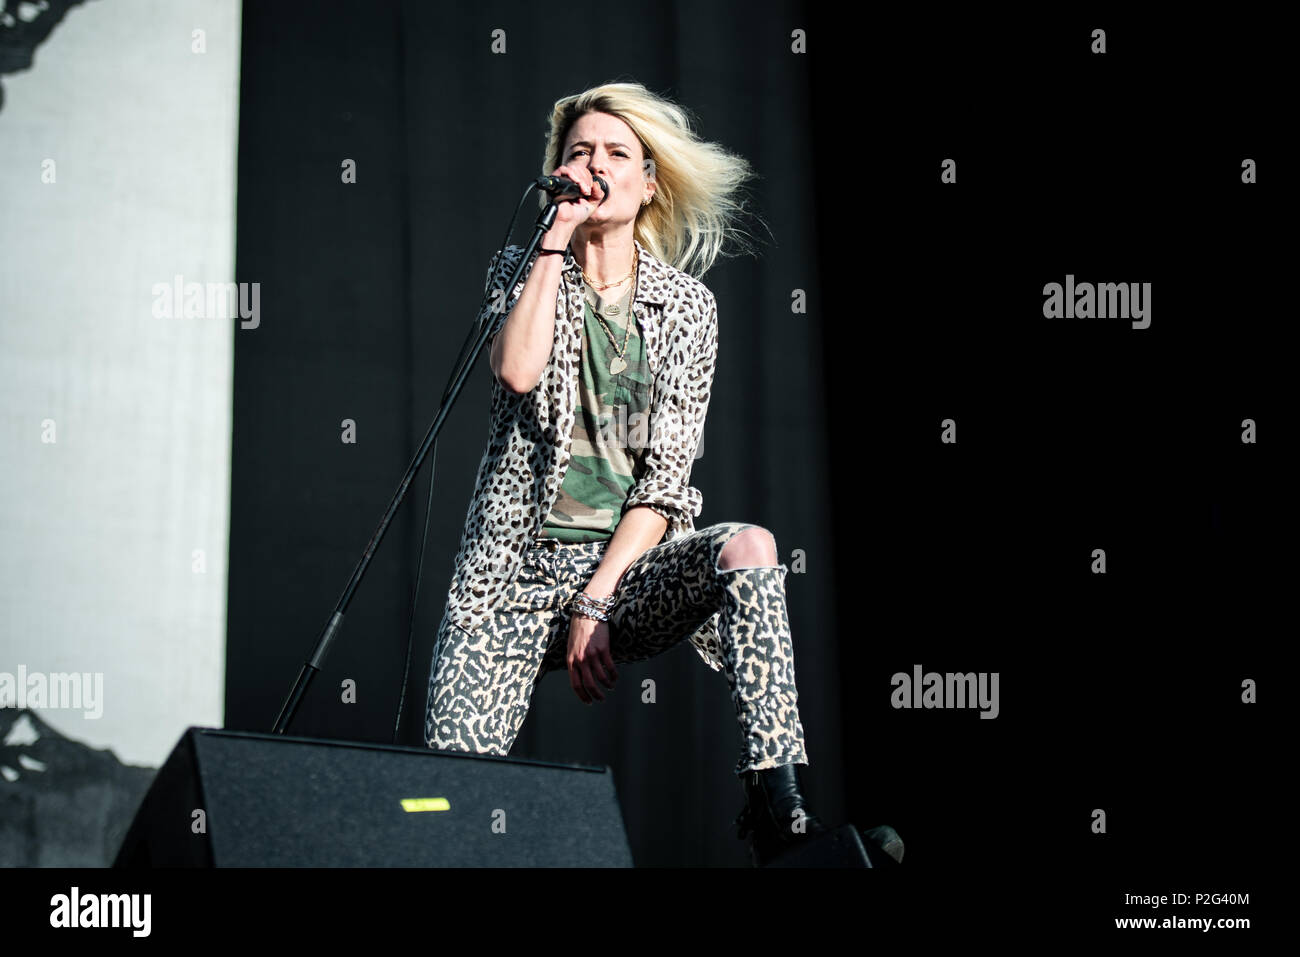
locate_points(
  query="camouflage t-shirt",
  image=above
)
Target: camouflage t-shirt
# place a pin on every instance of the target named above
(611, 427)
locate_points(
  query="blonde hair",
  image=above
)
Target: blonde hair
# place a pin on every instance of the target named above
(697, 204)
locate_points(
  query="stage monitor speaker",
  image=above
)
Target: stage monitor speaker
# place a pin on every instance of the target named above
(243, 799)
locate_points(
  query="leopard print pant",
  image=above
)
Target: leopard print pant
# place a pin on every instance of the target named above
(481, 683)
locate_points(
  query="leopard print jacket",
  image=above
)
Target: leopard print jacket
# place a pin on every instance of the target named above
(529, 441)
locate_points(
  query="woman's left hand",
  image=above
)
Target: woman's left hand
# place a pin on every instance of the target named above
(589, 659)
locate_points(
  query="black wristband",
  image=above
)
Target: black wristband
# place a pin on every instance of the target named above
(548, 252)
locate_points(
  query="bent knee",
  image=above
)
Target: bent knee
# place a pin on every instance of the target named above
(752, 546)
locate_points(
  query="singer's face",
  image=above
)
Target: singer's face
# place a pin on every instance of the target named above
(607, 147)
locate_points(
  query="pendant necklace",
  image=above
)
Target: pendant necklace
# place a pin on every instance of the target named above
(618, 363)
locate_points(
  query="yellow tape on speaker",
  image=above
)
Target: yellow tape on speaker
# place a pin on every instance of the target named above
(426, 804)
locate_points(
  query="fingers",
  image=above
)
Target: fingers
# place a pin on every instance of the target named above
(587, 674)
(596, 668)
(607, 660)
(583, 684)
(589, 661)
(600, 669)
(578, 678)
(575, 682)
(580, 175)
(591, 672)
(589, 681)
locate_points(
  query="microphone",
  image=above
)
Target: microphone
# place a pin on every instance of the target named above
(563, 186)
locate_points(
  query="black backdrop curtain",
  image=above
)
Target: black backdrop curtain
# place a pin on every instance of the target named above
(367, 293)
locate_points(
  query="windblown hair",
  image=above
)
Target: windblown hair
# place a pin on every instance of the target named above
(698, 203)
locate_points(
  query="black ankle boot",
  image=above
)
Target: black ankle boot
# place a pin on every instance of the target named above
(883, 846)
(775, 815)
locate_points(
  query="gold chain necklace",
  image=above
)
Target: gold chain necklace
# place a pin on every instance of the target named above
(605, 285)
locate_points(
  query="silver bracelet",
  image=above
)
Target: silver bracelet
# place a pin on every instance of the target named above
(589, 606)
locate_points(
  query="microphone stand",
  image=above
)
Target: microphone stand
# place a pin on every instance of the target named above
(313, 664)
